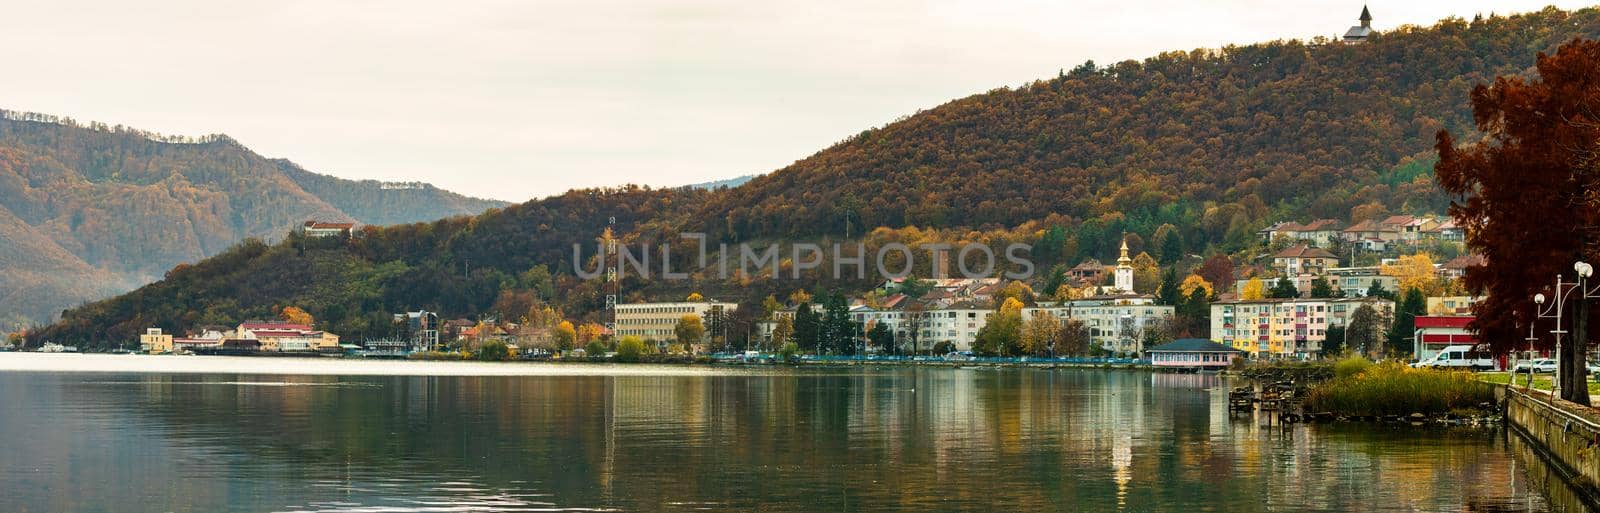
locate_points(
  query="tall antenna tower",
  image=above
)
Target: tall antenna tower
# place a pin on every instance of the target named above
(612, 261)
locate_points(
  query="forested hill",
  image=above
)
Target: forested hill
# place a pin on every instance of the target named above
(87, 211)
(1195, 139)
(1214, 143)
(383, 203)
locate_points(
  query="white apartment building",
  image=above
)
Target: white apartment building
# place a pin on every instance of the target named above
(957, 323)
(1117, 322)
(657, 321)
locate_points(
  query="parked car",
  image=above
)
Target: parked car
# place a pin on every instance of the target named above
(1458, 357)
(1542, 365)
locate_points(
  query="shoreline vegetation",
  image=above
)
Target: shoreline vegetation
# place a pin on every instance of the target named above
(1360, 388)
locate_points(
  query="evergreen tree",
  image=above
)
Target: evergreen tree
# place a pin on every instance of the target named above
(837, 330)
(882, 337)
(1377, 290)
(1054, 280)
(1193, 317)
(1402, 332)
(1321, 289)
(807, 327)
(1172, 248)
(1333, 343)
(1048, 251)
(1169, 293)
(1285, 289)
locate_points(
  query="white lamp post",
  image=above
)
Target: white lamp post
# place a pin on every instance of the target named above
(1558, 307)
(1554, 312)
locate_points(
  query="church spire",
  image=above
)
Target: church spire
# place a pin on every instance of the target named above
(1123, 277)
(1366, 17)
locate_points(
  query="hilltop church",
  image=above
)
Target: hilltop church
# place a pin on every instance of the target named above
(1360, 32)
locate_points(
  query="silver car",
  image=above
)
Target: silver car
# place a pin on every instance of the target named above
(1541, 365)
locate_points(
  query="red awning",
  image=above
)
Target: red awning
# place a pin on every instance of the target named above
(1443, 321)
(1449, 339)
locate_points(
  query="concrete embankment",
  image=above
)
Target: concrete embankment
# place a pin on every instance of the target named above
(1565, 434)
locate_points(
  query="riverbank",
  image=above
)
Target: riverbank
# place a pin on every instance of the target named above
(174, 364)
(1563, 433)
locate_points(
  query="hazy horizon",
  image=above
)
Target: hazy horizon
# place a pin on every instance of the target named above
(510, 101)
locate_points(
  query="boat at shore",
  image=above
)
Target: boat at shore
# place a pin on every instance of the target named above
(52, 347)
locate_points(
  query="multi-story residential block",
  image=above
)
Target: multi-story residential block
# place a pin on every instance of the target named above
(1456, 268)
(1448, 230)
(1116, 322)
(1340, 310)
(1355, 281)
(957, 324)
(1371, 233)
(1303, 259)
(1452, 305)
(1283, 328)
(657, 321)
(154, 341)
(1411, 228)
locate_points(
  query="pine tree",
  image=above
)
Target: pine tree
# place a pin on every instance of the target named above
(1402, 332)
(1321, 289)
(1285, 289)
(1169, 293)
(807, 327)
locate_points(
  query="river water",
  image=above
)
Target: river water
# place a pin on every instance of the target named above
(101, 433)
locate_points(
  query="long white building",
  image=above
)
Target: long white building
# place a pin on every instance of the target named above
(1117, 321)
(657, 321)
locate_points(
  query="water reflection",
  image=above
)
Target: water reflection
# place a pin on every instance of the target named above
(774, 440)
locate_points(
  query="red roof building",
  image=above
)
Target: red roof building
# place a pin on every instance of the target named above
(327, 229)
(1436, 332)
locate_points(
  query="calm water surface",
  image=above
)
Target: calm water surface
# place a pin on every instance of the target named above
(344, 437)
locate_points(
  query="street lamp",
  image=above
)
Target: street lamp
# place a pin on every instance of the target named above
(1584, 272)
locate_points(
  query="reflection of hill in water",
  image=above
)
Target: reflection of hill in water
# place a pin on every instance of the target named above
(901, 439)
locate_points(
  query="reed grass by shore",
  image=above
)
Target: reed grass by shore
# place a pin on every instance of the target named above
(1392, 388)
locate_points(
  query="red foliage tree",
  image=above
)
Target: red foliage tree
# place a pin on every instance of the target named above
(1527, 196)
(1218, 269)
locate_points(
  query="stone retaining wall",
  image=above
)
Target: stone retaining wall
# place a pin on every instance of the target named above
(1566, 434)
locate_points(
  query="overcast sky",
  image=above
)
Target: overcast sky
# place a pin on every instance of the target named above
(521, 99)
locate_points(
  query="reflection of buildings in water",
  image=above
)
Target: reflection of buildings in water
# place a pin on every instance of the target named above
(1121, 466)
(661, 401)
(1195, 381)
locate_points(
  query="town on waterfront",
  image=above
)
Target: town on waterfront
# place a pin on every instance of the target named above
(1397, 290)
(711, 256)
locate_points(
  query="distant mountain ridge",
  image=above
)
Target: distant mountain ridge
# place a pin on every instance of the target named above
(90, 211)
(729, 183)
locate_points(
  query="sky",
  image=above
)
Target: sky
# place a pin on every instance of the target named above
(515, 100)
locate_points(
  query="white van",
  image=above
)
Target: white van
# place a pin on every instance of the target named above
(1458, 357)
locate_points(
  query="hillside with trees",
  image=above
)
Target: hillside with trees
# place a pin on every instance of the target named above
(1212, 141)
(91, 210)
(1190, 153)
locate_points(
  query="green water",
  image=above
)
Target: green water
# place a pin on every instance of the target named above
(583, 438)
